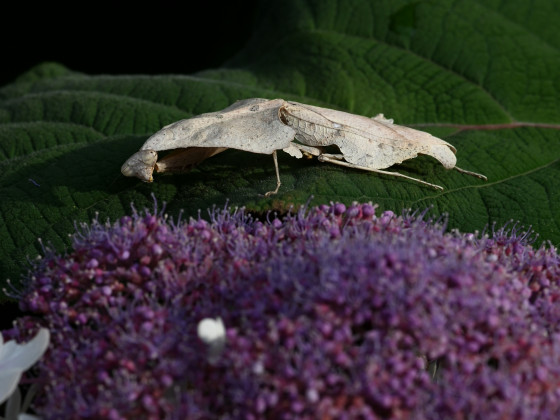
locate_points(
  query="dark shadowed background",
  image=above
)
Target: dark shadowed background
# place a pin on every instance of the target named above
(98, 37)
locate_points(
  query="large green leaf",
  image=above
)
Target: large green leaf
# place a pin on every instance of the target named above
(482, 75)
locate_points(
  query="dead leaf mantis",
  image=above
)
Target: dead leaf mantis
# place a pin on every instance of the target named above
(265, 126)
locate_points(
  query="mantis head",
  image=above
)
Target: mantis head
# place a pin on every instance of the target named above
(141, 165)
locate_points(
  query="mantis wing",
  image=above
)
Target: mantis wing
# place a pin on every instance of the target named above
(375, 143)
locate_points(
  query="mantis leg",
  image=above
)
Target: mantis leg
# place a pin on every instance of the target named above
(338, 156)
(336, 161)
(298, 150)
(309, 150)
(278, 183)
(463, 171)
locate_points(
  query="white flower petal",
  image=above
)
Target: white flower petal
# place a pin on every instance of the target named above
(6, 350)
(13, 405)
(9, 380)
(23, 356)
(24, 416)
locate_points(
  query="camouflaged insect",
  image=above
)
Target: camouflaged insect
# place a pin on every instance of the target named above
(265, 126)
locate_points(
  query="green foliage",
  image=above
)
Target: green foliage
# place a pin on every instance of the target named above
(482, 75)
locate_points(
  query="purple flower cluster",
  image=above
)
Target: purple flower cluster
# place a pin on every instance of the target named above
(331, 313)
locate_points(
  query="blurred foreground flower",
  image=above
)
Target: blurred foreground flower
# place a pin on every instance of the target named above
(333, 312)
(14, 360)
(17, 358)
(15, 409)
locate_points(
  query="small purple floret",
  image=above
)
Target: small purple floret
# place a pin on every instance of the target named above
(333, 312)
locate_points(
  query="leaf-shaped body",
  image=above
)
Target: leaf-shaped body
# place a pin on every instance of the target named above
(264, 126)
(375, 143)
(251, 125)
